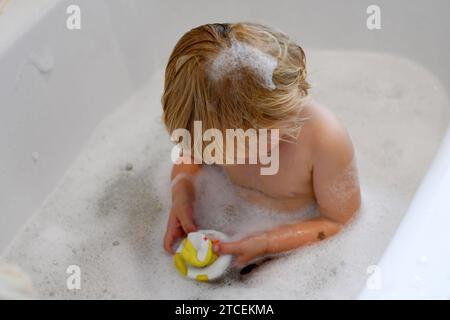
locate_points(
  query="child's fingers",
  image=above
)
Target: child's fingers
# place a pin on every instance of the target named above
(169, 237)
(186, 221)
(241, 261)
(168, 241)
(174, 231)
(230, 247)
(216, 245)
(187, 225)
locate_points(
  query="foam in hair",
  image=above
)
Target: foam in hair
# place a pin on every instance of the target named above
(241, 55)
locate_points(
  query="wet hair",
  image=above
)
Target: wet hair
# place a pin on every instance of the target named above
(235, 75)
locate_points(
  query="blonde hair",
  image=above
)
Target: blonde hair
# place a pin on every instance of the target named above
(238, 94)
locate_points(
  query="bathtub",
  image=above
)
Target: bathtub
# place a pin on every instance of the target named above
(56, 84)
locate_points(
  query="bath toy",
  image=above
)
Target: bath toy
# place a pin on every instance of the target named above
(195, 258)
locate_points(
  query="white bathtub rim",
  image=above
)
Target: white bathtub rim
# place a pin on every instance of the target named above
(415, 266)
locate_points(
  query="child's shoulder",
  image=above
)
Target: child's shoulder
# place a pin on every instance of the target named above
(325, 134)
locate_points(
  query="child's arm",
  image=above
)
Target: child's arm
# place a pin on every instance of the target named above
(337, 194)
(181, 219)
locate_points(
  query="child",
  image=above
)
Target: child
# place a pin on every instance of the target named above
(246, 75)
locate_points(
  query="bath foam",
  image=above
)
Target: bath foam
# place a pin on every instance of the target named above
(345, 184)
(108, 215)
(235, 217)
(241, 55)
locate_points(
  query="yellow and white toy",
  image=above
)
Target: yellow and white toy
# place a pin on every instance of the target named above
(196, 259)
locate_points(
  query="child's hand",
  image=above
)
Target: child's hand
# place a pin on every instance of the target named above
(246, 249)
(180, 223)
